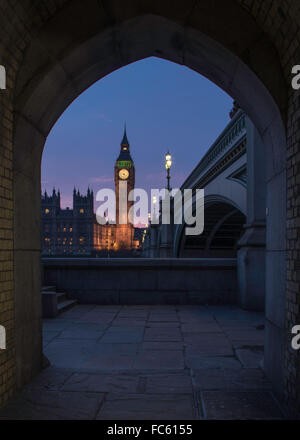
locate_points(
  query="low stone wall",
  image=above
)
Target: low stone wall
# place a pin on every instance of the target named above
(144, 281)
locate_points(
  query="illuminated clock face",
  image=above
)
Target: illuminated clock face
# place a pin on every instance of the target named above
(123, 174)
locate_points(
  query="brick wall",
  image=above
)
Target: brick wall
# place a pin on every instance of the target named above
(7, 357)
(18, 21)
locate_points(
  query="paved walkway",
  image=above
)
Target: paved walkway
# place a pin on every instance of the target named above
(150, 362)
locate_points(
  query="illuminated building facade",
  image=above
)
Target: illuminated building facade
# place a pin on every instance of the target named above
(77, 232)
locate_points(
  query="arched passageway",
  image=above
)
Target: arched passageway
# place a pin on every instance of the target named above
(51, 59)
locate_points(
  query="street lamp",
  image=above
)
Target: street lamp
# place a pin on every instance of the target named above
(154, 200)
(168, 167)
(153, 211)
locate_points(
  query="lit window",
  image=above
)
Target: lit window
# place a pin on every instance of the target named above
(71, 229)
(47, 211)
(82, 211)
(81, 240)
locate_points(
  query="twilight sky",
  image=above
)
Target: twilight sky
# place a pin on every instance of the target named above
(166, 107)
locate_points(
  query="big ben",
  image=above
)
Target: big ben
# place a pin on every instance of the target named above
(124, 183)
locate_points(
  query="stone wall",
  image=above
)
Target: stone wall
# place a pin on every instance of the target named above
(144, 281)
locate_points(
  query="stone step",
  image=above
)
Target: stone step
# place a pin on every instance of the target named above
(66, 305)
(61, 296)
(49, 303)
(54, 302)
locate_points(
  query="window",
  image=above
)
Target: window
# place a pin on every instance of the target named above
(47, 211)
(81, 211)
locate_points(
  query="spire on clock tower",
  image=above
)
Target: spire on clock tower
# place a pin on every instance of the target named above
(125, 148)
(125, 142)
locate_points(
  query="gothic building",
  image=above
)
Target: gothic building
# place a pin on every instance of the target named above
(77, 232)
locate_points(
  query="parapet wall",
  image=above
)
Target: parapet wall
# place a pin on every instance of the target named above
(144, 281)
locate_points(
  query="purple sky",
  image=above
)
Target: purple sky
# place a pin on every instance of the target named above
(166, 107)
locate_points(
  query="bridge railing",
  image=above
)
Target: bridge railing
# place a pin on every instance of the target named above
(234, 132)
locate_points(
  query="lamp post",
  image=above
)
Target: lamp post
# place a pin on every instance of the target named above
(168, 165)
(154, 201)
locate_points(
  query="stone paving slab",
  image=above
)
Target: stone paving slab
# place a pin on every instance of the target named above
(121, 348)
(53, 405)
(133, 322)
(186, 317)
(123, 335)
(208, 345)
(201, 327)
(48, 335)
(169, 383)
(161, 345)
(55, 324)
(250, 357)
(163, 318)
(198, 362)
(105, 356)
(104, 319)
(158, 359)
(245, 338)
(229, 379)
(133, 314)
(52, 379)
(150, 362)
(160, 324)
(75, 313)
(162, 334)
(258, 405)
(80, 334)
(103, 383)
(109, 361)
(242, 325)
(147, 407)
(69, 353)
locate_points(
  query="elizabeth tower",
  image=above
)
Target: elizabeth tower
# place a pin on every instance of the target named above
(124, 183)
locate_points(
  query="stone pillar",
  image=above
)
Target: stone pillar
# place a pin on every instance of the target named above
(252, 245)
(166, 233)
(153, 241)
(145, 245)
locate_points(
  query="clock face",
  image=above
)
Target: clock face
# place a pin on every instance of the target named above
(123, 174)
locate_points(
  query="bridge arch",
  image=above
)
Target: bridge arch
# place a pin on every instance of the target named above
(230, 44)
(221, 215)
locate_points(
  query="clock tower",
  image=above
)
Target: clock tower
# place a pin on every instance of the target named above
(124, 183)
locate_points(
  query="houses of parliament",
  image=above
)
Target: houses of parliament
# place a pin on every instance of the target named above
(76, 232)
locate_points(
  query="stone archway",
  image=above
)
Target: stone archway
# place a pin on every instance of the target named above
(58, 60)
